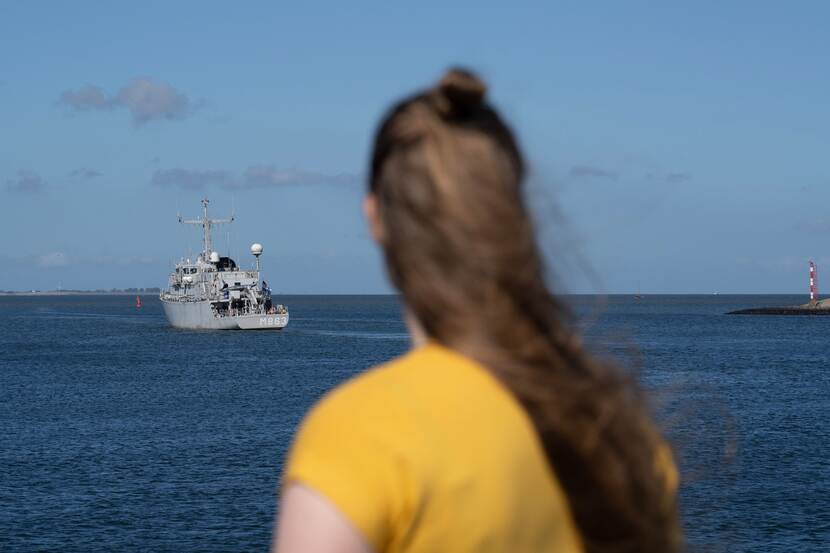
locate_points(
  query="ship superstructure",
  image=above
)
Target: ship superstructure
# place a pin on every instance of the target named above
(212, 292)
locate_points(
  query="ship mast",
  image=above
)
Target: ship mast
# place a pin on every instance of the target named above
(206, 223)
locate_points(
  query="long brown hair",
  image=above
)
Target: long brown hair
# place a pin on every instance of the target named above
(459, 245)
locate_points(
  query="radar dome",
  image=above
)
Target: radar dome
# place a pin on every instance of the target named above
(256, 249)
(214, 257)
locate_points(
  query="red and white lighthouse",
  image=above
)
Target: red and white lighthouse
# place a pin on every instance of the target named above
(813, 284)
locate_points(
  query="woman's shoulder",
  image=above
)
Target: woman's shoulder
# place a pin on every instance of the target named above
(382, 376)
(358, 447)
(420, 376)
(404, 395)
(375, 395)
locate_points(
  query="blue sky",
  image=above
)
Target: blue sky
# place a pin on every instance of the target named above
(673, 149)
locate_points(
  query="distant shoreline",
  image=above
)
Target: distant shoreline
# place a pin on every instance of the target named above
(157, 291)
(145, 291)
(139, 292)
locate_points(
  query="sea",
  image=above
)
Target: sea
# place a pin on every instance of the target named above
(120, 433)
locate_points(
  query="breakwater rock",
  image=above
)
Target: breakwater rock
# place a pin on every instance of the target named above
(819, 308)
(795, 310)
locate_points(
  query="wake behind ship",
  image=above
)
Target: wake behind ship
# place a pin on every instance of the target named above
(212, 292)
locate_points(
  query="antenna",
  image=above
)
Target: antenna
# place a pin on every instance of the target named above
(233, 217)
(206, 224)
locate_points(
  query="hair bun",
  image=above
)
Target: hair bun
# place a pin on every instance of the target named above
(459, 91)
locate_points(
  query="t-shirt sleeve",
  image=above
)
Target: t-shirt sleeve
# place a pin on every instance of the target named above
(347, 451)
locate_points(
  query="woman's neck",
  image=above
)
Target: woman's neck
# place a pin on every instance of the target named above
(416, 332)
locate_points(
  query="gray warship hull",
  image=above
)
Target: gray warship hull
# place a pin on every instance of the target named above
(213, 293)
(198, 315)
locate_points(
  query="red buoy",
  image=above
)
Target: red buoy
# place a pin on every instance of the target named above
(138, 302)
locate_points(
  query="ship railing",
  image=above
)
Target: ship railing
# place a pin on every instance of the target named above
(182, 297)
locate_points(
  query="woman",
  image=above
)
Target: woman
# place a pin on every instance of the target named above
(497, 432)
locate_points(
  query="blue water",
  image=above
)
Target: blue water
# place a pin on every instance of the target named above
(120, 433)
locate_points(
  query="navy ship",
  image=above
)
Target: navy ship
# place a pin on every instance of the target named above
(212, 292)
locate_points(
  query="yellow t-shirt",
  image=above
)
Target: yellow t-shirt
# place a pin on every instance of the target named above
(431, 453)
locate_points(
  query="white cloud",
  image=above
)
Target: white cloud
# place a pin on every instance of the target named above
(26, 182)
(85, 173)
(86, 98)
(146, 100)
(255, 176)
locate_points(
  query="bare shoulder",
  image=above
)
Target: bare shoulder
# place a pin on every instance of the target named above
(308, 522)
